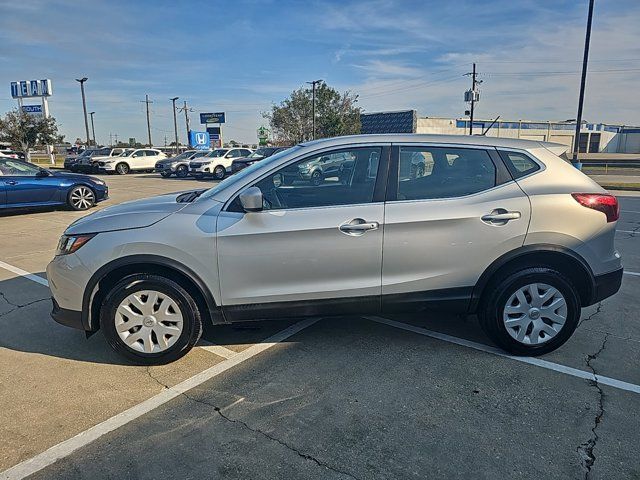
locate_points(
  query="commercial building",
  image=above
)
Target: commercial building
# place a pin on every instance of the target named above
(594, 137)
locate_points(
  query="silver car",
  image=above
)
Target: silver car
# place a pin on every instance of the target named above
(501, 228)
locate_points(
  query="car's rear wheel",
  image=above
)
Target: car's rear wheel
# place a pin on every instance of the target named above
(81, 197)
(182, 171)
(150, 319)
(530, 312)
(122, 168)
(219, 172)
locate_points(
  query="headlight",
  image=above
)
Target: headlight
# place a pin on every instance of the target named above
(71, 243)
(98, 181)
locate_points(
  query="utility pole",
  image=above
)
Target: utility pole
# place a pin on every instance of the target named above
(110, 139)
(313, 107)
(116, 136)
(583, 81)
(175, 120)
(186, 111)
(472, 96)
(147, 102)
(84, 105)
(93, 129)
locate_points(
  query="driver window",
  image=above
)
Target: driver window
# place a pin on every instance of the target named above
(341, 177)
(438, 172)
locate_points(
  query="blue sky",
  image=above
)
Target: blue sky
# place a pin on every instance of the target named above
(241, 56)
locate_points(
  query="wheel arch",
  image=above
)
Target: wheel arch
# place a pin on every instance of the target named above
(566, 261)
(109, 274)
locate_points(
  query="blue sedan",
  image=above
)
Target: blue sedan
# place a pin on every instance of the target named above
(23, 184)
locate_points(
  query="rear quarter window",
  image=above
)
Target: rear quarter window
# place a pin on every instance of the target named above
(519, 164)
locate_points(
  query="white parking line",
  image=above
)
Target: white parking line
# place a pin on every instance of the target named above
(24, 273)
(219, 350)
(67, 447)
(628, 211)
(628, 231)
(635, 274)
(574, 372)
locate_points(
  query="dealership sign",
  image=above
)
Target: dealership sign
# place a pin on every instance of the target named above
(199, 140)
(32, 109)
(31, 88)
(217, 117)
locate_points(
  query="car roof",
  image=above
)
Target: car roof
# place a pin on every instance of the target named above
(430, 138)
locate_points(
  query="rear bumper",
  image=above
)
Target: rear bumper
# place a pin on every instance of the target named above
(606, 285)
(68, 318)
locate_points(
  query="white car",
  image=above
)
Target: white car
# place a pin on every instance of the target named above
(217, 163)
(132, 160)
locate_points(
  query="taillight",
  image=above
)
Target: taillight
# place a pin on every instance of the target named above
(603, 202)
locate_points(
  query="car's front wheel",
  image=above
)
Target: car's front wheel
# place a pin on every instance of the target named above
(165, 173)
(531, 311)
(219, 172)
(150, 319)
(81, 197)
(122, 168)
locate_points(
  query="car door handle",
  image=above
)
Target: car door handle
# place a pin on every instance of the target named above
(500, 216)
(358, 226)
(11, 182)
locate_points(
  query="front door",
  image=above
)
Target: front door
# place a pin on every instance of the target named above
(315, 248)
(24, 185)
(451, 212)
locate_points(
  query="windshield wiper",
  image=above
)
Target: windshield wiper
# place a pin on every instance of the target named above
(189, 196)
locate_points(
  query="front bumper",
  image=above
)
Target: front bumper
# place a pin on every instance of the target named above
(68, 318)
(605, 285)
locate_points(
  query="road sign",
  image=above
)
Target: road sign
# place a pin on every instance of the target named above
(32, 109)
(217, 117)
(199, 140)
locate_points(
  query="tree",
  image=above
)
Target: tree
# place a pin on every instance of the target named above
(24, 131)
(336, 114)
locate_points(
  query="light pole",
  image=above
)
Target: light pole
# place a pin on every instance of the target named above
(583, 81)
(84, 106)
(93, 129)
(313, 107)
(175, 120)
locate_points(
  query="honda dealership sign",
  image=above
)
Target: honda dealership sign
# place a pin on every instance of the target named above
(199, 140)
(31, 88)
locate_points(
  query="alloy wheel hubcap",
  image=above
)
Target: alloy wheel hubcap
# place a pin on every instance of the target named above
(149, 321)
(82, 198)
(535, 313)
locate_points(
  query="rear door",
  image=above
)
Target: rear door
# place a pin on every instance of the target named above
(451, 211)
(313, 249)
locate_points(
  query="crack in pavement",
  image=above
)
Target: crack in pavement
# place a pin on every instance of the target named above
(585, 449)
(17, 306)
(590, 317)
(218, 410)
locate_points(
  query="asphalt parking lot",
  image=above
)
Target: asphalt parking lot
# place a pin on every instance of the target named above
(406, 396)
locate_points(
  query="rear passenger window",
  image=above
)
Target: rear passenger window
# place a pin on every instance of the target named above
(439, 172)
(519, 164)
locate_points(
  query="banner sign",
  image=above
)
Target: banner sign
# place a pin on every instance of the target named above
(199, 140)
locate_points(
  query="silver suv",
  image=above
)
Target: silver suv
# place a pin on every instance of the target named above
(501, 228)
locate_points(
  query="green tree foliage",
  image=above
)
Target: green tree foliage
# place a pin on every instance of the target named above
(336, 114)
(24, 131)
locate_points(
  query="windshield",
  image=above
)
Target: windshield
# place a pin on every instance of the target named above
(261, 152)
(182, 156)
(126, 153)
(217, 153)
(239, 177)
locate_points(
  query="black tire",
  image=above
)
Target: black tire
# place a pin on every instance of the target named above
(219, 172)
(182, 171)
(316, 178)
(497, 294)
(192, 321)
(81, 198)
(165, 174)
(122, 168)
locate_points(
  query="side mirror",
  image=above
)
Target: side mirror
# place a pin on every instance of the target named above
(251, 199)
(42, 173)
